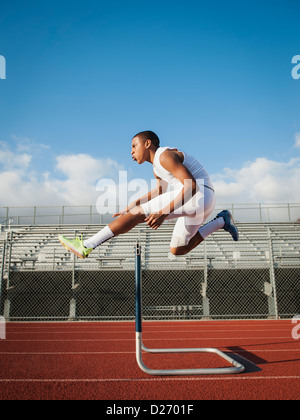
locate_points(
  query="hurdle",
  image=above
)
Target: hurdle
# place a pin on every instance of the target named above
(234, 369)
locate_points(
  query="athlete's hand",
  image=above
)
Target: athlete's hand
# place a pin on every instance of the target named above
(156, 220)
(125, 211)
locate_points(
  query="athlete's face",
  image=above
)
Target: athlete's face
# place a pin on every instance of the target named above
(138, 150)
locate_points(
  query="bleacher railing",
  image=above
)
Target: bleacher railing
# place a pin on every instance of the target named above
(61, 215)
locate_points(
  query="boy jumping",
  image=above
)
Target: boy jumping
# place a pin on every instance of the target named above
(190, 199)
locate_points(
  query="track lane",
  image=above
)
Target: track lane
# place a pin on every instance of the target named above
(97, 361)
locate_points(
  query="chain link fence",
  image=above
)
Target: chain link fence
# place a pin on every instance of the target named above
(255, 278)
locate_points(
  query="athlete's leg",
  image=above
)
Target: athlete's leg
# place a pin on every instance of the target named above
(121, 225)
(186, 235)
(185, 249)
(224, 220)
(127, 221)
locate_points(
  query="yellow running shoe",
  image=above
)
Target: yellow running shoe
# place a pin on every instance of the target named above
(76, 246)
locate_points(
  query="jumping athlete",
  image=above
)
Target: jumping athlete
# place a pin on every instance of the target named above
(184, 191)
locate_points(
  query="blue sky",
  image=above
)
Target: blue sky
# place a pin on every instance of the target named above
(211, 77)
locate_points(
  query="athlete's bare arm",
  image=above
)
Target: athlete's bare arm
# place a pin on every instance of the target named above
(172, 161)
(160, 188)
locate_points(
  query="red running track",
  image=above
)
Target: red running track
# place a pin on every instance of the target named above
(73, 361)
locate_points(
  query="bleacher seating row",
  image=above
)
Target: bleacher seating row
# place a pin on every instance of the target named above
(37, 248)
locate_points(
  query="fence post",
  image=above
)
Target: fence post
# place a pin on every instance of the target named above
(72, 311)
(205, 299)
(289, 212)
(2, 272)
(273, 304)
(91, 215)
(7, 213)
(10, 242)
(74, 264)
(63, 215)
(34, 215)
(7, 301)
(260, 213)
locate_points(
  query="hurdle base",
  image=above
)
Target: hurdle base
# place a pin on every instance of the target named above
(235, 369)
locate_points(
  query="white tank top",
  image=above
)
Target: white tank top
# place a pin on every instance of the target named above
(192, 164)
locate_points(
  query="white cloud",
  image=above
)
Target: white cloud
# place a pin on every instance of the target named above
(83, 166)
(297, 140)
(81, 172)
(19, 189)
(263, 181)
(24, 144)
(71, 181)
(10, 160)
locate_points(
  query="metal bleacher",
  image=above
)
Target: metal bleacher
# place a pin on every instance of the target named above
(36, 248)
(257, 277)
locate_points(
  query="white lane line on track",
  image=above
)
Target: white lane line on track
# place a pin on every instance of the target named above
(217, 378)
(157, 328)
(133, 352)
(151, 324)
(145, 330)
(152, 339)
(83, 353)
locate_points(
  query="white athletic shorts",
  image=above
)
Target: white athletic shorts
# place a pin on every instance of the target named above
(190, 217)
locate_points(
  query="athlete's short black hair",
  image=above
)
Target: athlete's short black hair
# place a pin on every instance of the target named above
(149, 135)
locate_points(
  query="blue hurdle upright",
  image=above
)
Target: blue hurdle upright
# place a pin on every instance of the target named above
(234, 369)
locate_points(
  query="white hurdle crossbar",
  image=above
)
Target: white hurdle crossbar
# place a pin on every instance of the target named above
(236, 366)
